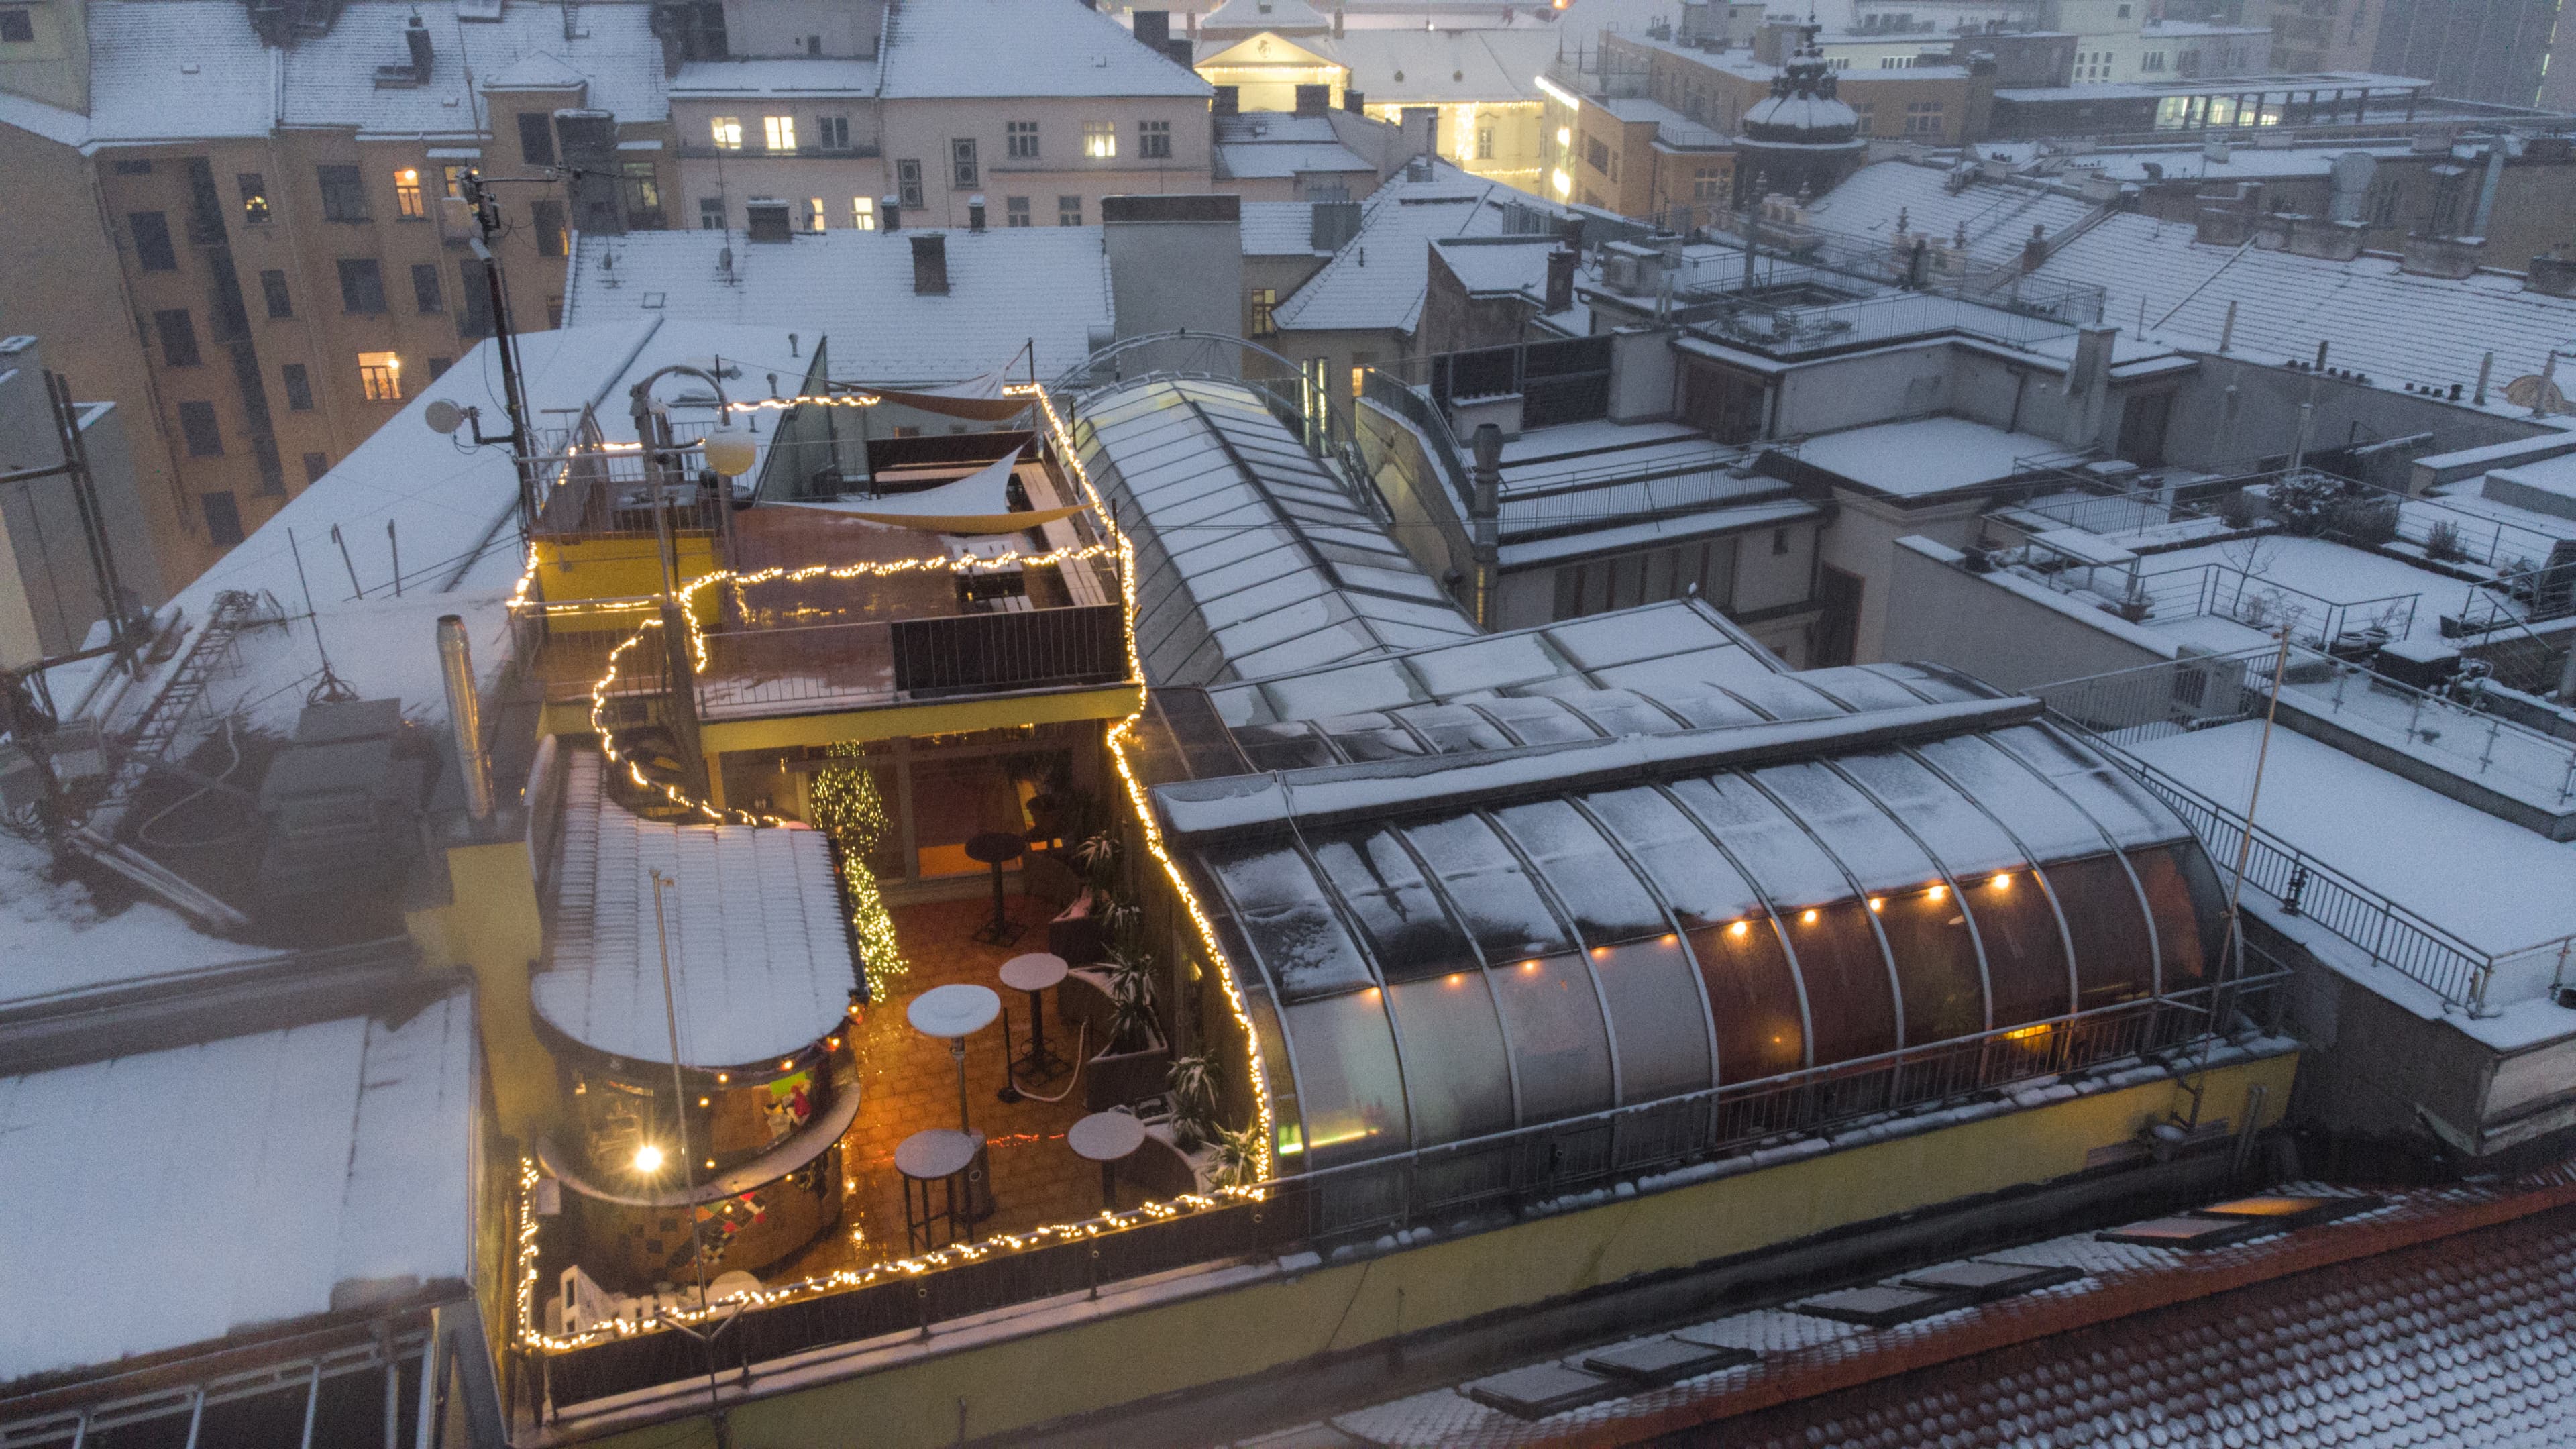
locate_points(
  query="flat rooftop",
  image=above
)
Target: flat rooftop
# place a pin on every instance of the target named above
(1924, 457)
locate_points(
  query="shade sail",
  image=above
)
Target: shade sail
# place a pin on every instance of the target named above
(978, 397)
(977, 503)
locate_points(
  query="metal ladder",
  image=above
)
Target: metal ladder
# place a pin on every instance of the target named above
(158, 730)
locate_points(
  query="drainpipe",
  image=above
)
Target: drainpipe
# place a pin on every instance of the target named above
(465, 715)
(1484, 512)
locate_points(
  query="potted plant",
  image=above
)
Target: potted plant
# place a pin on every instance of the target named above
(1134, 1060)
(1238, 1157)
(1192, 1085)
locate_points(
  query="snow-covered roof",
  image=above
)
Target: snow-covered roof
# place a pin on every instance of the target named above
(1251, 559)
(1924, 456)
(1284, 16)
(2393, 327)
(794, 76)
(1005, 287)
(1672, 128)
(1376, 279)
(55, 941)
(1271, 160)
(937, 49)
(1416, 66)
(761, 960)
(181, 69)
(1278, 228)
(244, 1183)
(1487, 265)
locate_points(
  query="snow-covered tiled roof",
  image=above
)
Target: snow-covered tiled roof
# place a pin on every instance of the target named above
(172, 69)
(761, 962)
(246, 1183)
(615, 60)
(1251, 560)
(938, 49)
(793, 76)
(1512, 264)
(1415, 66)
(1005, 287)
(1285, 16)
(1376, 279)
(2376, 320)
(1278, 228)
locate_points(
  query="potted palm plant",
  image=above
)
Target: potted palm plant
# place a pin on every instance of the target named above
(1192, 1085)
(1134, 1060)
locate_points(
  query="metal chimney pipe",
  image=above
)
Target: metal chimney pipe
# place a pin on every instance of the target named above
(465, 715)
(1485, 511)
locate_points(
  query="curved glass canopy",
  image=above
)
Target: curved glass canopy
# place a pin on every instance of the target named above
(1424, 979)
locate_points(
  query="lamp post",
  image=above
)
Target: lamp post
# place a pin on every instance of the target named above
(728, 452)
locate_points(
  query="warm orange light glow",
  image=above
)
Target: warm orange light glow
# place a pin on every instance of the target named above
(1738, 929)
(1600, 952)
(1807, 917)
(2027, 1032)
(786, 1064)
(1456, 978)
(721, 1079)
(1878, 903)
(1668, 940)
(1937, 892)
(1528, 966)
(2002, 882)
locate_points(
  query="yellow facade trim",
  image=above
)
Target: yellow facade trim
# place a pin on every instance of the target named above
(1012, 1379)
(940, 717)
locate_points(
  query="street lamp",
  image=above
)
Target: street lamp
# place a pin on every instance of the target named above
(728, 451)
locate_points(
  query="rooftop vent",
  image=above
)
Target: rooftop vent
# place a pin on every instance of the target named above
(769, 220)
(930, 264)
(414, 71)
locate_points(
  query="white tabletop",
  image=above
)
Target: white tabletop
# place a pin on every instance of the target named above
(1035, 971)
(953, 1010)
(934, 1154)
(1105, 1136)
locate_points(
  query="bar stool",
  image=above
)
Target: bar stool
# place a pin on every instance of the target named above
(1105, 1137)
(1036, 973)
(993, 847)
(940, 1155)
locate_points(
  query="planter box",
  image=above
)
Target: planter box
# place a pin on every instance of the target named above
(1115, 1080)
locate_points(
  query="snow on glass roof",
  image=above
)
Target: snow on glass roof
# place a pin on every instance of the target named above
(1251, 560)
(761, 960)
(252, 1181)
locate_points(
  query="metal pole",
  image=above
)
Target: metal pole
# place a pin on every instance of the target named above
(464, 715)
(102, 559)
(680, 1122)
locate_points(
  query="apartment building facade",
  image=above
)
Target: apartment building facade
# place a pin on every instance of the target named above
(275, 218)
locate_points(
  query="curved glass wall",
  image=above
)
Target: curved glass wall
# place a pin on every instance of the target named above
(1446, 975)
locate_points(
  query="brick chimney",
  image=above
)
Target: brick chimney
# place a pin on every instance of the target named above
(1154, 29)
(930, 264)
(975, 213)
(1560, 280)
(2553, 275)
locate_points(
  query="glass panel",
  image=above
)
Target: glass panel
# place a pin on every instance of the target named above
(1453, 1057)
(2110, 930)
(1617, 713)
(1656, 1015)
(1557, 1041)
(1283, 747)
(1363, 737)
(1783, 697)
(2191, 911)
(2025, 956)
(1696, 879)
(1848, 997)
(1408, 930)
(1936, 963)
(1281, 909)
(1852, 826)
(1794, 870)
(1588, 876)
(1753, 996)
(1500, 907)
(1964, 838)
(1538, 721)
(2038, 816)
(1346, 1078)
(2121, 806)
(1455, 729)
(1706, 708)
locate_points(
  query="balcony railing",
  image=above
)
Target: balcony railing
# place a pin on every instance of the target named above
(869, 663)
(1461, 1183)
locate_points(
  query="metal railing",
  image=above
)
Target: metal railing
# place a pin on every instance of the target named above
(1468, 1184)
(2229, 592)
(805, 668)
(2448, 728)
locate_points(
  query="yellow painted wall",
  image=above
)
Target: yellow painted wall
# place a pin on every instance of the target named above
(947, 716)
(620, 568)
(491, 927)
(1161, 1347)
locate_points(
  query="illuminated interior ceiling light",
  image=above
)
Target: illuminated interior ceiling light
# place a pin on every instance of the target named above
(1807, 917)
(648, 1159)
(1938, 892)
(1878, 903)
(1738, 929)
(2002, 881)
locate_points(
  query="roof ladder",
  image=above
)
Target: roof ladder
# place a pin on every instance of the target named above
(169, 712)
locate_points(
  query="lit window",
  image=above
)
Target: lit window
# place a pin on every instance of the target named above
(1565, 135)
(1562, 183)
(1265, 300)
(380, 374)
(1359, 380)
(778, 133)
(814, 214)
(254, 195)
(407, 192)
(728, 132)
(863, 212)
(1100, 140)
(453, 177)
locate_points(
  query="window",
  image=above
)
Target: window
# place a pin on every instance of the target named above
(1596, 155)
(1015, 211)
(344, 193)
(426, 295)
(438, 367)
(315, 465)
(1484, 143)
(1923, 118)
(778, 133)
(832, 133)
(814, 214)
(963, 173)
(2153, 60)
(362, 285)
(17, 26)
(711, 213)
(407, 201)
(1867, 112)
(536, 138)
(197, 421)
(178, 337)
(546, 218)
(1068, 211)
(254, 195)
(641, 190)
(152, 241)
(2124, 12)
(223, 517)
(1264, 299)
(1100, 139)
(380, 373)
(299, 387)
(1023, 136)
(907, 182)
(1708, 183)
(728, 132)
(1361, 362)
(863, 213)
(1154, 140)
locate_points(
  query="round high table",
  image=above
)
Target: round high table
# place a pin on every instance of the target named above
(941, 1156)
(1105, 1137)
(1036, 973)
(993, 847)
(955, 1012)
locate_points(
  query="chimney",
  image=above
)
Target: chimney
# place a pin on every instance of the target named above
(975, 213)
(1560, 280)
(465, 715)
(416, 35)
(891, 211)
(2452, 257)
(2035, 250)
(2088, 384)
(930, 264)
(2552, 276)
(1178, 48)
(1227, 102)
(1354, 102)
(1484, 512)
(1314, 100)
(1337, 22)
(1154, 29)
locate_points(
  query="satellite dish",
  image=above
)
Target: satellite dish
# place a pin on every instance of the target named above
(730, 451)
(442, 416)
(2536, 393)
